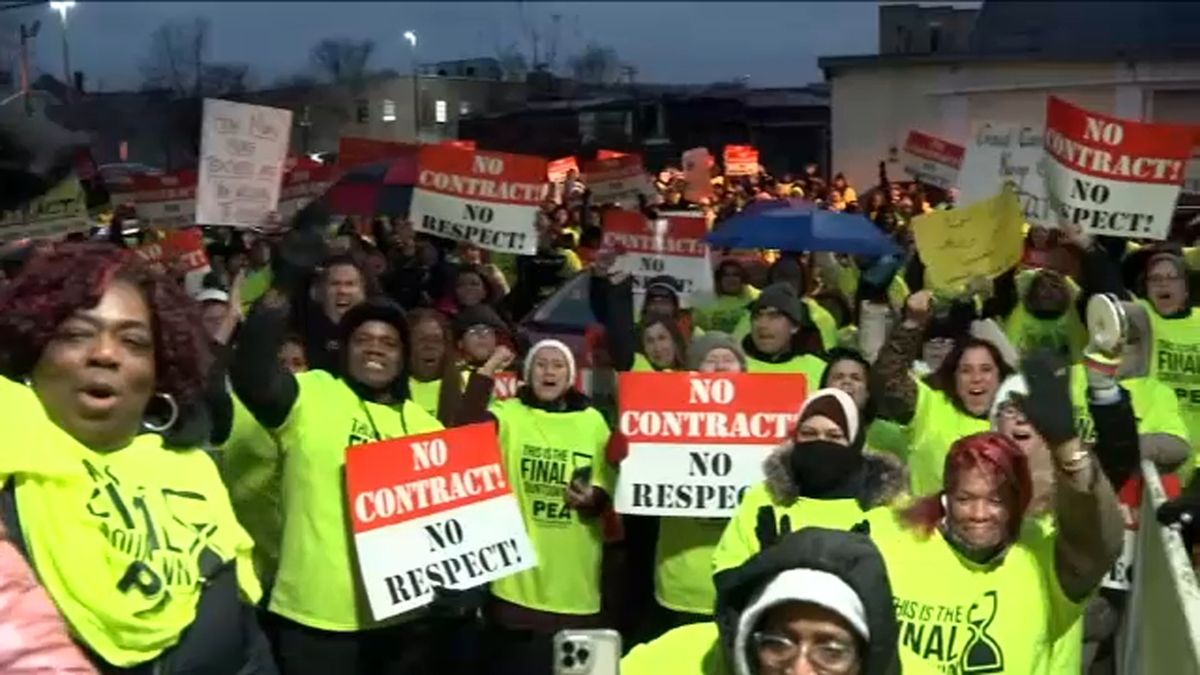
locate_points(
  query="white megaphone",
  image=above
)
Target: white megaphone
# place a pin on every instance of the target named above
(1118, 335)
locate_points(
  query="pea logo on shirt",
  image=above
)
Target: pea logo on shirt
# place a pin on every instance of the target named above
(545, 473)
(1179, 366)
(955, 638)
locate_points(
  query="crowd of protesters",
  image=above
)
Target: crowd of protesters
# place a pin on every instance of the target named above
(946, 501)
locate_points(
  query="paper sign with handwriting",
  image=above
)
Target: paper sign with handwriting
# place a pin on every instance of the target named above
(1111, 176)
(999, 153)
(673, 244)
(983, 239)
(61, 210)
(243, 148)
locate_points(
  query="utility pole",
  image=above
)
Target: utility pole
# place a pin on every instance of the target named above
(28, 32)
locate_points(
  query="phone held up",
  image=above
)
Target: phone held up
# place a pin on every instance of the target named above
(587, 652)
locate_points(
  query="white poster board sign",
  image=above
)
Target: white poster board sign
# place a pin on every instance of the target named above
(242, 151)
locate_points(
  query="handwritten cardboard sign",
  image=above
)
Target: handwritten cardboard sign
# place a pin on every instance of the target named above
(697, 441)
(999, 153)
(433, 510)
(981, 239)
(1112, 176)
(243, 148)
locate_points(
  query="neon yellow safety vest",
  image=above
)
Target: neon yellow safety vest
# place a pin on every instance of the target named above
(956, 616)
(820, 316)
(812, 367)
(724, 313)
(1065, 335)
(1175, 361)
(935, 425)
(316, 582)
(542, 451)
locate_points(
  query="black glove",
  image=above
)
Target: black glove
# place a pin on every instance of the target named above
(1184, 510)
(767, 531)
(297, 255)
(1049, 406)
(449, 603)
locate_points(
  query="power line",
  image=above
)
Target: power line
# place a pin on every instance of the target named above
(21, 5)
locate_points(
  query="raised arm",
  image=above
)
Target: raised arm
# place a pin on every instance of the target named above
(892, 386)
(262, 383)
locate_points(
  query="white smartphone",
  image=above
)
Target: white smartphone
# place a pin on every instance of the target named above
(587, 652)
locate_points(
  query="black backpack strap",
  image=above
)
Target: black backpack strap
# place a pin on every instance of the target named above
(11, 519)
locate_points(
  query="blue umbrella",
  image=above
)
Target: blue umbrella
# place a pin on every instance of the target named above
(803, 229)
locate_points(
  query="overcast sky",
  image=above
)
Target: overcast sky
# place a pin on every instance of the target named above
(775, 44)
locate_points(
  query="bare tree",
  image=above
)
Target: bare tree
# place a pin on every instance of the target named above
(513, 66)
(175, 60)
(595, 64)
(342, 60)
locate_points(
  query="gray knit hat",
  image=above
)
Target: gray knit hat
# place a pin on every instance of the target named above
(702, 345)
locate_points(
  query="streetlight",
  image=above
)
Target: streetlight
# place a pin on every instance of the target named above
(411, 38)
(28, 32)
(62, 7)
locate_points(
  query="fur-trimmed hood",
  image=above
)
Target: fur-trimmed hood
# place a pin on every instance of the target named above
(886, 477)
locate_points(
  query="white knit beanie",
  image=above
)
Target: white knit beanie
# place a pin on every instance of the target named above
(550, 344)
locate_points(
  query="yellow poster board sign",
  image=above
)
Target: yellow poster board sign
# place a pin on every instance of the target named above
(63, 209)
(983, 239)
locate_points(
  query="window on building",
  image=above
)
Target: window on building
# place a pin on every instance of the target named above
(470, 71)
(362, 110)
(389, 110)
(935, 37)
(464, 108)
(439, 111)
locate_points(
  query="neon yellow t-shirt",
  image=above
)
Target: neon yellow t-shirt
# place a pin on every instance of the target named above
(958, 616)
(252, 469)
(116, 538)
(740, 541)
(694, 649)
(1066, 335)
(683, 564)
(811, 366)
(724, 313)
(317, 584)
(1175, 361)
(935, 425)
(542, 450)
(820, 316)
(1154, 406)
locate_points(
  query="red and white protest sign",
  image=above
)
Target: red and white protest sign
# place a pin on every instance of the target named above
(1120, 577)
(1112, 176)
(160, 200)
(461, 144)
(301, 185)
(673, 244)
(433, 510)
(697, 163)
(741, 160)
(618, 180)
(697, 441)
(557, 169)
(932, 160)
(489, 199)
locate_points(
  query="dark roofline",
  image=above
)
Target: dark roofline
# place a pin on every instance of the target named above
(831, 63)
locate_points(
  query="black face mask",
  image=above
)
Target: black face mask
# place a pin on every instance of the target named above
(825, 469)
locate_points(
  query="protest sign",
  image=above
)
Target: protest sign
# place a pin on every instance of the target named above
(618, 180)
(673, 244)
(557, 170)
(999, 153)
(354, 152)
(696, 165)
(302, 185)
(460, 144)
(983, 239)
(697, 441)
(179, 253)
(242, 151)
(489, 199)
(1112, 176)
(432, 510)
(741, 160)
(167, 200)
(932, 160)
(61, 210)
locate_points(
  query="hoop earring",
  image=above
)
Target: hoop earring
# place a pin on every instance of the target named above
(171, 419)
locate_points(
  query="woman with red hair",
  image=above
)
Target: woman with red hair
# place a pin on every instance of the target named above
(106, 491)
(978, 585)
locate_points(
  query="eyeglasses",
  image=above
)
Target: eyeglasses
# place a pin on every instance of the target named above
(481, 331)
(830, 656)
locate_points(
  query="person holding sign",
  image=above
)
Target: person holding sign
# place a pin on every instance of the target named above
(978, 583)
(435, 382)
(954, 403)
(552, 441)
(821, 477)
(324, 626)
